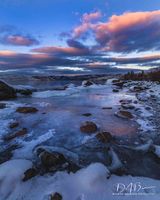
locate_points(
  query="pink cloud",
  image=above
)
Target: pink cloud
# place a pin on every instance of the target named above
(88, 19)
(121, 28)
(131, 31)
(19, 40)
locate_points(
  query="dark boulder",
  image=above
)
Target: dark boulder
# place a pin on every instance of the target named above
(6, 91)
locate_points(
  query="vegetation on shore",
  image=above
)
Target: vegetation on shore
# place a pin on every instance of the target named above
(143, 76)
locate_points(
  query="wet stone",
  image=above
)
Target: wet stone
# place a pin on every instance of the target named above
(124, 114)
(26, 110)
(88, 127)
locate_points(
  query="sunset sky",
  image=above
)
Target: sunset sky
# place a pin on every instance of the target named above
(79, 35)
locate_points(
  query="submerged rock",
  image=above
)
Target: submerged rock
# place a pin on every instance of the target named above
(2, 105)
(26, 110)
(125, 101)
(88, 127)
(138, 88)
(124, 114)
(30, 173)
(87, 83)
(19, 133)
(128, 106)
(6, 154)
(6, 91)
(26, 92)
(87, 114)
(56, 196)
(104, 137)
(115, 90)
(107, 108)
(13, 125)
(116, 81)
(119, 83)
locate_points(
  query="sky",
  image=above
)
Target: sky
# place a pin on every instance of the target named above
(79, 35)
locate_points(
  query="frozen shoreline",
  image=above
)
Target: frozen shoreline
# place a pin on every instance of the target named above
(143, 105)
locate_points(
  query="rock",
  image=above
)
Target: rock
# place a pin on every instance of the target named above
(138, 89)
(120, 171)
(88, 127)
(128, 106)
(119, 84)
(116, 81)
(2, 105)
(104, 137)
(25, 92)
(6, 154)
(125, 101)
(53, 159)
(148, 108)
(124, 114)
(115, 90)
(13, 125)
(30, 173)
(72, 167)
(26, 110)
(61, 88)
(6, 91)
(56, 196)
(19, 133)
(87, 83)
(87, 114)
(106, 108)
